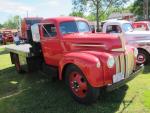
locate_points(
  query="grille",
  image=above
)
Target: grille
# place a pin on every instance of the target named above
(125, 64)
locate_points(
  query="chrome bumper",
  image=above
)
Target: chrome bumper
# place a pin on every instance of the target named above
(138, 70)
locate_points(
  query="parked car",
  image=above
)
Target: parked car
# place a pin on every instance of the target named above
(142, 25)
(7, 36)
(140, 39)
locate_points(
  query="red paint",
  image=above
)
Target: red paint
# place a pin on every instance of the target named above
(7, 36)
(84, 50)
(142, 24)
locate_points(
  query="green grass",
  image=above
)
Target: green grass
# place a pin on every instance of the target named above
(36, 93)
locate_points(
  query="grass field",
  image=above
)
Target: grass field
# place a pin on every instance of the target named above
(36, 93)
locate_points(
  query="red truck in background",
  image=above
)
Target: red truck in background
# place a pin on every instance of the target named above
(7, 36)
(142, 25)
(25, 28)
(65, 47)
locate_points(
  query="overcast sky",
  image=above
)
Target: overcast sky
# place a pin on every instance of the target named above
(44, 8)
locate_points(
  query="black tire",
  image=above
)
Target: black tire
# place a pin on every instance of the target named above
(17, 63)
(146, 55)
(91, 94)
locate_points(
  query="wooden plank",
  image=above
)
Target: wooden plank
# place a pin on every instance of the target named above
(23, 49)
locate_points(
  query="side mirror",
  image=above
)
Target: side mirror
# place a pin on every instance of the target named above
(92, 28)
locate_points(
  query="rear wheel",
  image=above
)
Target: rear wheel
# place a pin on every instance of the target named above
(17, 63)
(79, 87)
(143, 57)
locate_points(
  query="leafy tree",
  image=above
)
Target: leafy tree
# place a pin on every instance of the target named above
(96, 7)
(137, 8)
(1, 26)
(90, 17)
(12, 22)
(78, 14)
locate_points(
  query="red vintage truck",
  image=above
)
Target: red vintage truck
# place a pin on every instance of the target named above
(7, 36)
(66, 48)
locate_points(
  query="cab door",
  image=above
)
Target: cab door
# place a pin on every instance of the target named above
(50, 43)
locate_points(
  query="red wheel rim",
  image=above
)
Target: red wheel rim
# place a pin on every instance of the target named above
(78, 84)
(141, 58)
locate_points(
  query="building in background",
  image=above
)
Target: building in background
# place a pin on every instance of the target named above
(124, 16)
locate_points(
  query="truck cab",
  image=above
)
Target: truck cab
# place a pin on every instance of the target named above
(137, 38)
(86, 61)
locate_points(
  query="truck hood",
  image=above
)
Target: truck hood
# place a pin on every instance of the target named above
(93, 41)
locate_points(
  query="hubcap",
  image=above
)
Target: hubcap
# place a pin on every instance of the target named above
(78, 84)
(141, 58)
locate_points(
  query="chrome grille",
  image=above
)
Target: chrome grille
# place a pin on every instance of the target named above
(125, 64)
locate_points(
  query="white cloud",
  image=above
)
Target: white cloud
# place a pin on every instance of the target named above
(42, 8)
(14, 7)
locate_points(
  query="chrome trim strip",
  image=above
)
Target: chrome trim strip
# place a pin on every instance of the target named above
(122, 64)
(117, 64)
(90, 45)
(119, 49)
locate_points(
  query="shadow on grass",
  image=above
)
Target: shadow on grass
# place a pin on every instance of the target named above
(146, 69)
(3, 52)
(39, 94)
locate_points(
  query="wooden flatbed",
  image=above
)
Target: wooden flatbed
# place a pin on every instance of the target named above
(23, 58)
(23, 49)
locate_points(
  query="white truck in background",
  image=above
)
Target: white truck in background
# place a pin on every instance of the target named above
(140, 39)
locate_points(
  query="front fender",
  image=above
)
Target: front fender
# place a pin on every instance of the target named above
(88, 65)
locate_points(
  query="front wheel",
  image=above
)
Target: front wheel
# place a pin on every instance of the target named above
(143, 57)
(17, 63)
(79, 87)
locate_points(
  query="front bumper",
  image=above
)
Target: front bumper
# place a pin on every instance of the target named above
(138, 70)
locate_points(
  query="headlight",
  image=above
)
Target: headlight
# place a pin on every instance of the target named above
(135, 52)
(110, 62)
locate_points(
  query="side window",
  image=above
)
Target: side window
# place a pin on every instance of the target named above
(49, 30)
(113, 29)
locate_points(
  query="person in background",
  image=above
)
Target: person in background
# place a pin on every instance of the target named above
(16, 39)
(1, 38)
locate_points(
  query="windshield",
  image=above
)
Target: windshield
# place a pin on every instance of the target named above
(74, 27)
(127, 27)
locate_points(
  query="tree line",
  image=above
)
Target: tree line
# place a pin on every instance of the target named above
(93, 10)
(11, 23)
(99, 10)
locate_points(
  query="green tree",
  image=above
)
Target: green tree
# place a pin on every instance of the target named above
(96, 7)
(1, 26)
(138, 8)
(12, 23)
(78, 14)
